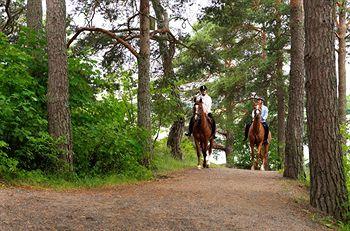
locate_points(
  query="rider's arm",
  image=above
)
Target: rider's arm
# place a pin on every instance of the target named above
(264, 113)
(209, 103)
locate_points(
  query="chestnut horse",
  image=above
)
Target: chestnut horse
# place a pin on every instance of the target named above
(202, 134)
(256, 138)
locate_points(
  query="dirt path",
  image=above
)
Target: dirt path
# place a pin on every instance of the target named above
(207, 199)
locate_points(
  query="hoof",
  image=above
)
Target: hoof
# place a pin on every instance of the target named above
(199, 166)
(262, 168)
(252, 168)
(208, 163)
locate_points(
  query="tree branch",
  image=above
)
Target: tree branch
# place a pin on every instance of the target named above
(219, 146)
(7, 10)
(107, 32)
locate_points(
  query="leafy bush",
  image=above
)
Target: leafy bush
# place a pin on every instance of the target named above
(8, 166)
(23, 118)
(104, 142)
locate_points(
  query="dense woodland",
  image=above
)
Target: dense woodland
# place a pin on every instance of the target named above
(80, 100)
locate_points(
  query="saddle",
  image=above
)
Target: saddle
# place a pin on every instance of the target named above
(210, 121)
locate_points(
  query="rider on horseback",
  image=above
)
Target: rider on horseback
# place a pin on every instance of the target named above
(206, 99)
(264, 113)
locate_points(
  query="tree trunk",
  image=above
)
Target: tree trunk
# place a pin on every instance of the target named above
(327, 190)
(281, 138)
(342, 27)
(293, 163)
(57, 91)
(167, 51)
(34, 15)
(143, 91)
(230, 139)
(174, 139)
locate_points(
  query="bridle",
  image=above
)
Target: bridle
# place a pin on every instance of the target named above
(197, 112)
(257, 111)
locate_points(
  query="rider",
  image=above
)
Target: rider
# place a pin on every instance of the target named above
(264, 113)
(206, 99)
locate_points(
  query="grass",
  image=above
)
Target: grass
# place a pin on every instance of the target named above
(162, 164)
(38, 180)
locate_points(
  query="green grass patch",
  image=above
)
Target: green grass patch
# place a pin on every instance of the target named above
(38, 179)
(164, 162)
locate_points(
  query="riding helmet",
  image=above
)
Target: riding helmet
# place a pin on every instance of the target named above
(261, 98)
(203, 88)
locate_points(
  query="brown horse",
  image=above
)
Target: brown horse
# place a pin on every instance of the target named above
(256, 138)
(202, 134)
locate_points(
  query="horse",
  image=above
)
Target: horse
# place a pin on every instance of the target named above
(202, 134)
(256, 138)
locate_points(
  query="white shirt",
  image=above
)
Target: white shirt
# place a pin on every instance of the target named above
(206, 99)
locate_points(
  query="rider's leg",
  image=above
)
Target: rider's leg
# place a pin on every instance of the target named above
(266, 128)
(213, 128)
(190, 127)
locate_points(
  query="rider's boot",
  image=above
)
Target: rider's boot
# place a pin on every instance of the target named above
(190, 127)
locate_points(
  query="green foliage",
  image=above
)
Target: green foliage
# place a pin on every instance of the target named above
(104, 142)
(41, 152)
(23, 121)
(8, 166)
(346, 154)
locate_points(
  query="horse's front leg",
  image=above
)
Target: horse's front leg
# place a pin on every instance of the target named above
(260, 157)
(198, 154)
(204, 152)
(252, 156)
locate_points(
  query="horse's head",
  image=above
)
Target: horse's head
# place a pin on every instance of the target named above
(257, 111)
(198, 109)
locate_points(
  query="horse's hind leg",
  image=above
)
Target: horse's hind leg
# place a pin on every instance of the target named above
(264, 165)
(204, 147)
(210, 149)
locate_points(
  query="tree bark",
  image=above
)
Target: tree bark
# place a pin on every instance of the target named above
(229, 144)
(341, 32)
(327, 181)
(281, 115)
(167, 50)
(34, 15)
(143, 91)
(293, 164)
(57, 92)
(174, 139)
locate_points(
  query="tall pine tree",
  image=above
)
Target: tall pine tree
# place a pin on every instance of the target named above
(57, 91)
(327, 189)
